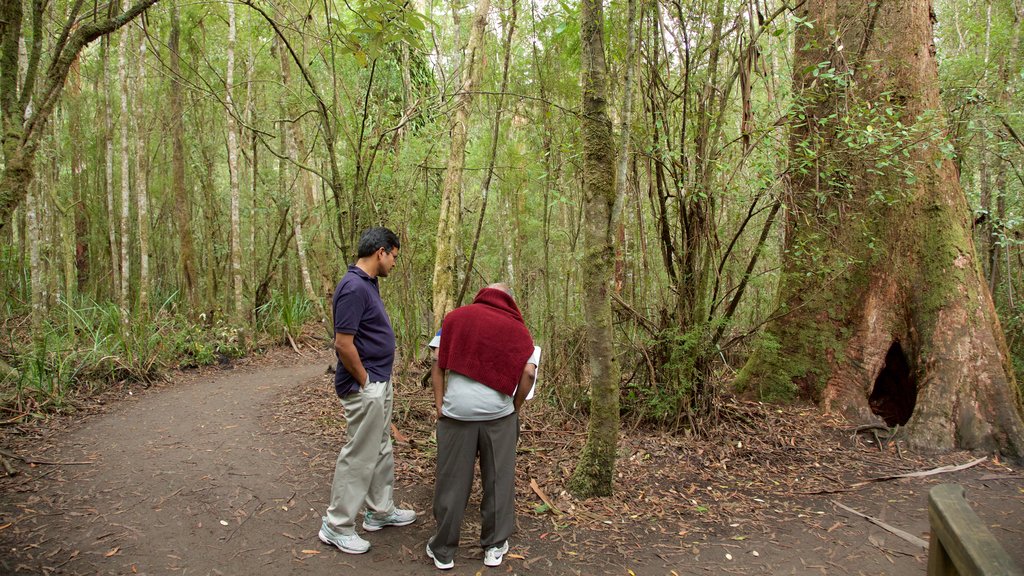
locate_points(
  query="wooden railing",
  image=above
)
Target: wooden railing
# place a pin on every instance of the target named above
(960, 542)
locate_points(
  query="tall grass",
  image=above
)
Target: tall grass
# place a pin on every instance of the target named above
(284, 316)
(85, 346)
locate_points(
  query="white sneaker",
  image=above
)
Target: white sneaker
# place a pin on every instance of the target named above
(440, 565)
(493, 556)
(349, 543)
(399, 517)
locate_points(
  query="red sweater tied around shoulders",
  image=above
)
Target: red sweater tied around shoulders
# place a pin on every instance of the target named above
(486, 341)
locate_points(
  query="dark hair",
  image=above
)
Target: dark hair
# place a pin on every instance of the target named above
(374, 239)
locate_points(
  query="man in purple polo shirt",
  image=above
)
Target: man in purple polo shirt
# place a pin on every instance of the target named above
(365, 346)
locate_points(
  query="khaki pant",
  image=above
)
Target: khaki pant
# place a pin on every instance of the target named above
(365, 471)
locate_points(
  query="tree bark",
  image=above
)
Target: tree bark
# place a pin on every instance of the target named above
(141, 188)
(122, 72)
(595, 472)
(485, 188)
(886, 312)
(108, 181)
(238, 305)
(33, 218)
(24, 113)
(182, 202)
(450, 218)
(289, 140)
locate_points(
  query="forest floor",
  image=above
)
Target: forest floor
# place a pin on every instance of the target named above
(227, 471)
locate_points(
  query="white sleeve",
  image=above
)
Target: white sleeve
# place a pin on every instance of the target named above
(535, 360)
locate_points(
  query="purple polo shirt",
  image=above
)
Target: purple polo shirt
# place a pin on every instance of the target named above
(359, 310)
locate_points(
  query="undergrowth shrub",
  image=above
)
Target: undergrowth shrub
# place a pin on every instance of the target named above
(85, 346)
(284, 315)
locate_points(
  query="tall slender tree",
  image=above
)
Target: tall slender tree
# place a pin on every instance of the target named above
(450, 218)
(141, 186)
(595, 472)
(238, 304)
(182, 200)
(125, 153)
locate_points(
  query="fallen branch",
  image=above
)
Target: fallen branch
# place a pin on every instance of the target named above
(919, 474)
(292, 342)
(544, 497)
(922, 473)
(892, 529)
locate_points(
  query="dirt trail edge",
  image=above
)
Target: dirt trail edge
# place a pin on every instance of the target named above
(181, 480)
(218, 473)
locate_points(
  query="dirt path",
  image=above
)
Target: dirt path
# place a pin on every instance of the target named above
(211, 477)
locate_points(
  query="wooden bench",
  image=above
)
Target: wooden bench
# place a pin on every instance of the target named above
(960, 542)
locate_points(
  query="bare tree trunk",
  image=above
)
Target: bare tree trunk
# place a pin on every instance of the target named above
(122, 72)
(595, 472)
(888, 314)
(80, 244)
(182, 203)
(33, 218)
(450, 218)
(290, 150)
(622, 162)
(141, 188)
(108, 171)
(232, 128)
(489, 174)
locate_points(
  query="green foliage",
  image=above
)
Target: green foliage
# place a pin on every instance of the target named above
(85, 346)
(196, 346)
(670, 397)
(284, 315)
(373, 25)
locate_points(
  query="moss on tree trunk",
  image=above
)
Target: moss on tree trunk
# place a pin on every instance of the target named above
(879, 255)
(595, 471)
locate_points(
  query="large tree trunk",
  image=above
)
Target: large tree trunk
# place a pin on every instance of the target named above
(886, 310)
(450, 217)
(595, 472)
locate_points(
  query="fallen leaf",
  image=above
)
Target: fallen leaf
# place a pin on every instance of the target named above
(112, 552)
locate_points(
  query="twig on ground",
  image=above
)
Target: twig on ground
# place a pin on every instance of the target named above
(923, 473)
(544, 497)
(892, 529)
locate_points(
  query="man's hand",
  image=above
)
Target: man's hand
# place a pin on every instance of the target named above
(344, 345)
(437, 379)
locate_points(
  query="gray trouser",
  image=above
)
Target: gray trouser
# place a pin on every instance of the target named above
(458, 442)
(365, 471)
